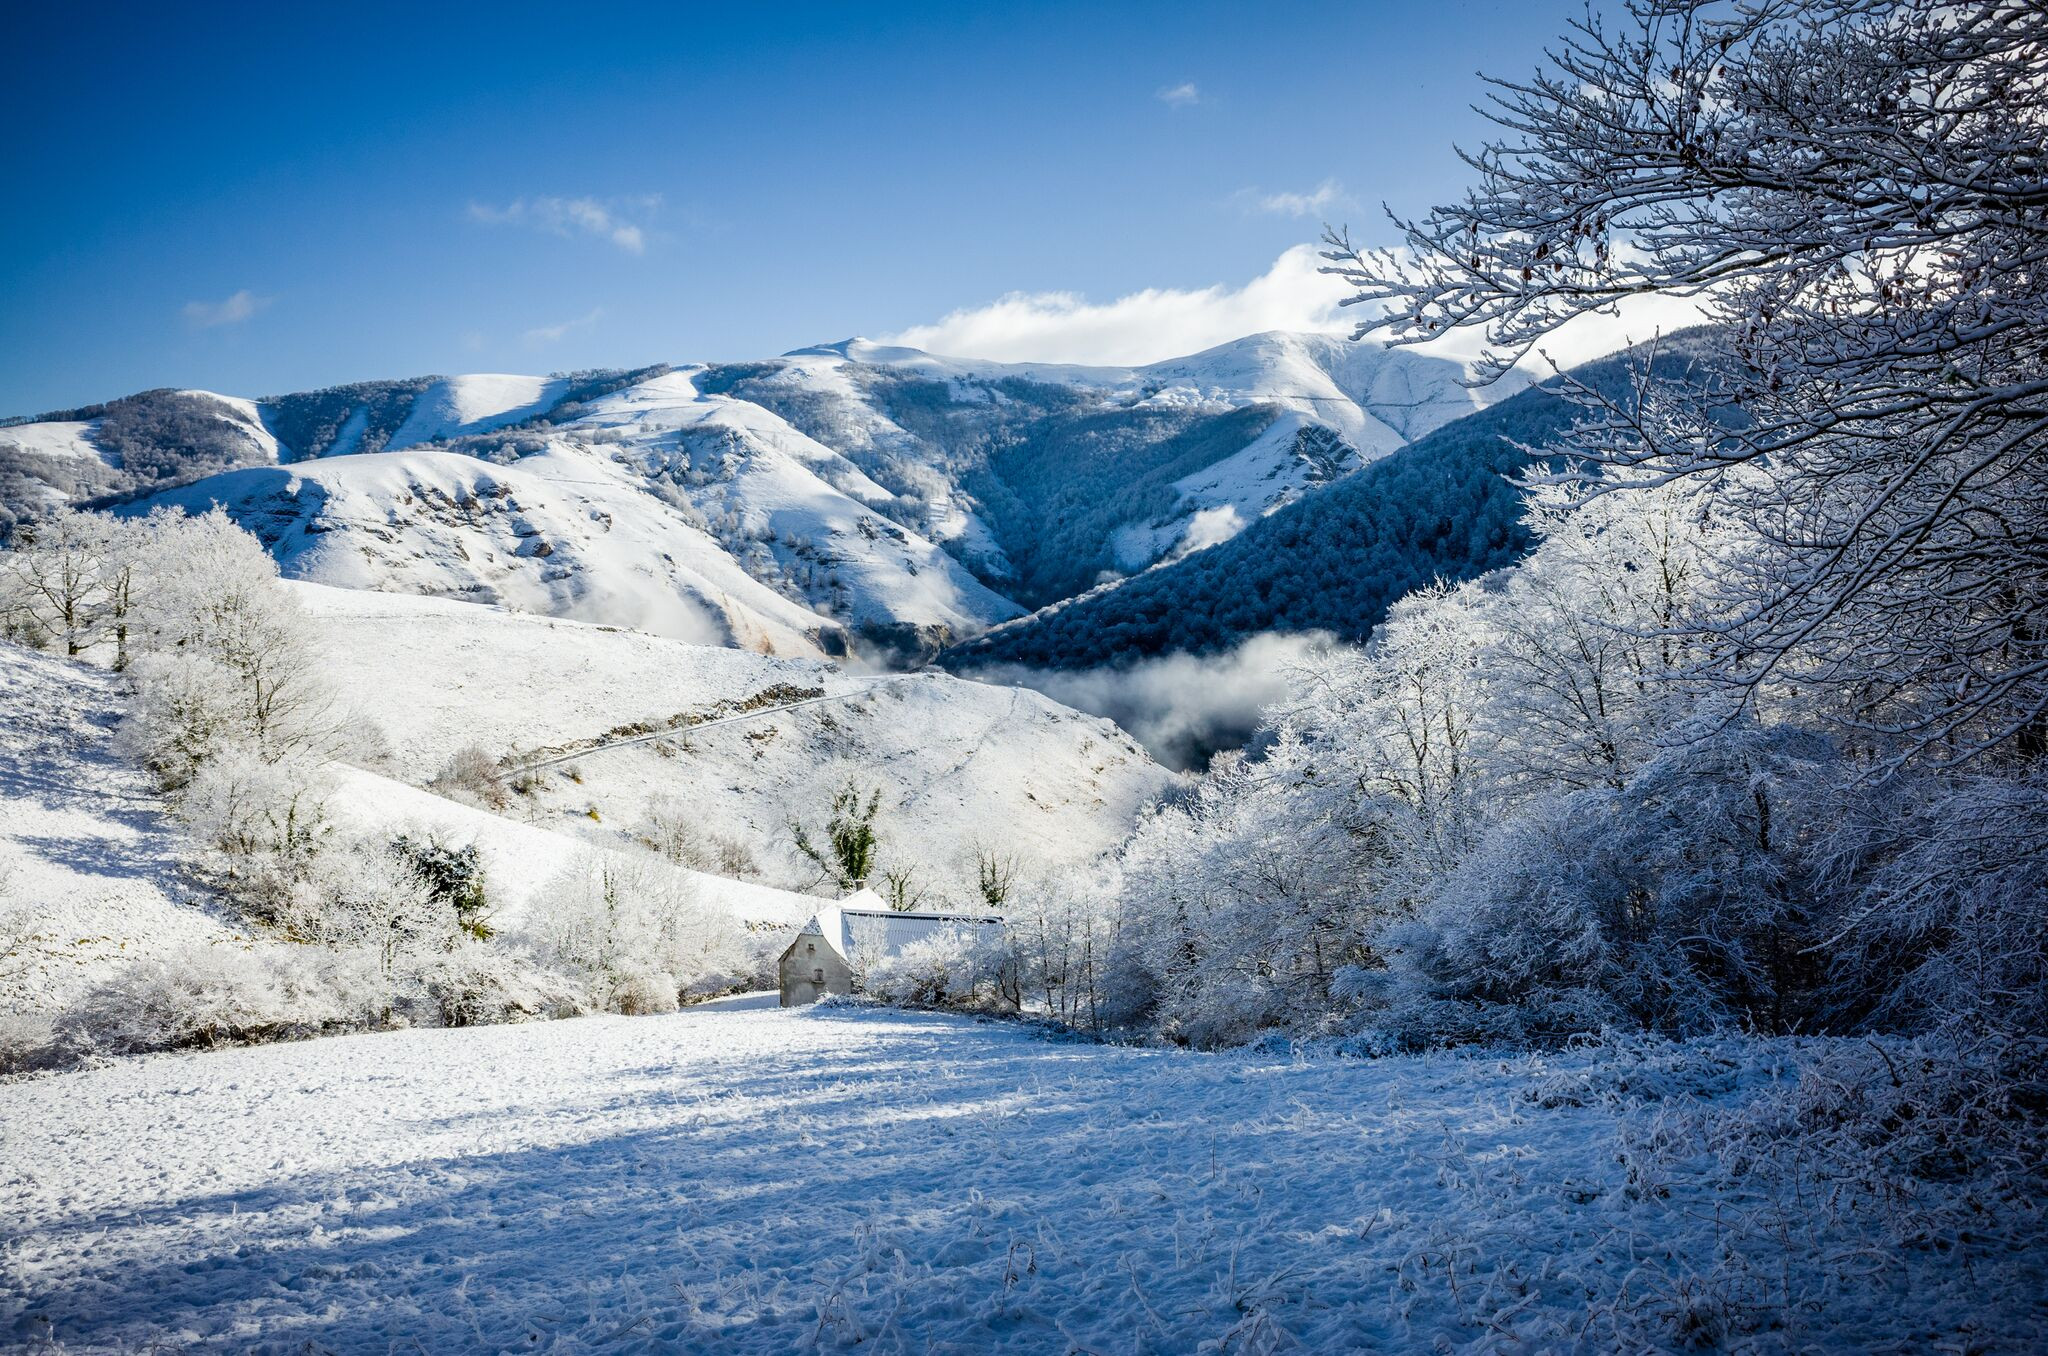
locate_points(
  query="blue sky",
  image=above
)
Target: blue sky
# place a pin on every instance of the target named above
(274, 198)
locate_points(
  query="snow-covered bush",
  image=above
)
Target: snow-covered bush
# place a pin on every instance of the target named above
(679, 835)
(453, 876)
(637, 933)
(228, 994)
(274, 852)
(28, 1041)
(1950, 875)
(1680, 903)
(953, 967)
(473, 983)
(472, 775)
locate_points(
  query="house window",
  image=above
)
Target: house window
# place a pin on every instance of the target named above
(810, 950)
(817, 976)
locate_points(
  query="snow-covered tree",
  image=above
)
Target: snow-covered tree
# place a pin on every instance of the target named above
(56, 581)
(637, 933)
(1852, 188)
(846, 856)
(224, 655)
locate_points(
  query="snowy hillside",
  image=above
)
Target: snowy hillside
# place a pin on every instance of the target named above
(563, 533)
(851, 498)
(1444, 507)
(88, 859)
(93, 870)
(457, 406)
(1043, 476)
(961, 764)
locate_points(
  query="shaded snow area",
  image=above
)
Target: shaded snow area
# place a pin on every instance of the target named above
(735, 1178)
(88, 860)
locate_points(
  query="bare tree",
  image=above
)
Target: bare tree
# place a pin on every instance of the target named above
(1856, 191)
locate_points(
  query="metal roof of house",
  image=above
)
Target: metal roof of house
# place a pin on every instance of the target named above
(863, 922)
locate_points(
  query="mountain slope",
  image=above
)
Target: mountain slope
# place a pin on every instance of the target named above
(1045, 478)
(852, 498)
(561, 534)
(960, 764)
(1445, 507)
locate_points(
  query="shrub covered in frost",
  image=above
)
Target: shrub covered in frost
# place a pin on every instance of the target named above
(954, 967)
(473, 983)
(637, 933)
(226, 994)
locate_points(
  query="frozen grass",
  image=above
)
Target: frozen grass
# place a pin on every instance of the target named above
(738, 1178)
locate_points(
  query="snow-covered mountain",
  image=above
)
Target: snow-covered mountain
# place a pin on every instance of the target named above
(850, 498)
(1445, 507)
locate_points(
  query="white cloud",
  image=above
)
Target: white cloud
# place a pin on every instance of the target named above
(1180, 707)
(1210, 527)
(613, 219)
(548, 334)
(1179, 96)
(1163, 322)
(1327, 194)
(1583, 338)
(232, 310)
(1140, 327)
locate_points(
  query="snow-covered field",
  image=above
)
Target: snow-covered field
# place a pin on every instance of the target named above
(739, 1178)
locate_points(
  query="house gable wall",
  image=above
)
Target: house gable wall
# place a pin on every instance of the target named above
(810, 970)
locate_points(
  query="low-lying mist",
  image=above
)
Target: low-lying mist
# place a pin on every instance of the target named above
(1183, 708)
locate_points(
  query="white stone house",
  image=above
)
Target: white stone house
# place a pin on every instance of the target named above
(848, 935)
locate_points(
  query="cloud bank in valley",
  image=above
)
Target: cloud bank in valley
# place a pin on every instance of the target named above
(1183, 708)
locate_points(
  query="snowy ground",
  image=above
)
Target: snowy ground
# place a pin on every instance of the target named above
(738, 1178)
(88, 859)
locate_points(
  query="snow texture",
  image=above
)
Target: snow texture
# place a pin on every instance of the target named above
(960, 763)
(736, 1178)
(88, 859)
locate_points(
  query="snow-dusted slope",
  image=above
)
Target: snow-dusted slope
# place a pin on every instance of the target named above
(244, 419)
(70, 439)
(565, 533)
(523, 860)
(88, 859)
(961, 764)
(478, 403)
(1378, 398)
(791, 509)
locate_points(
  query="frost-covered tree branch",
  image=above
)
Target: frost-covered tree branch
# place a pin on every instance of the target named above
(1858, 192)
